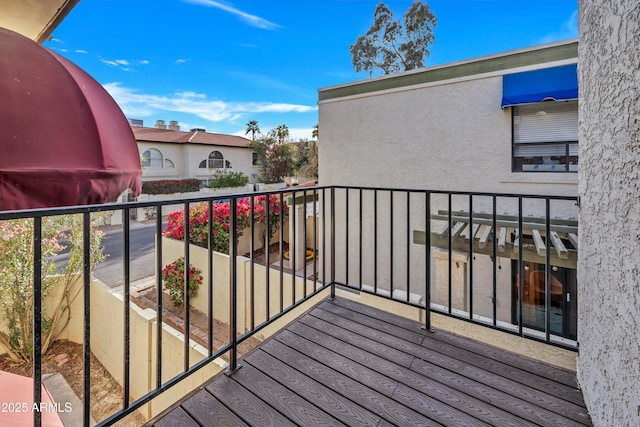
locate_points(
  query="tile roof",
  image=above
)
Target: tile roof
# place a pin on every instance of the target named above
(182, 137)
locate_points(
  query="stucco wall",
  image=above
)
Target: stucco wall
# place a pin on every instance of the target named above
(187, 157)
(451, 135)
(609, 264)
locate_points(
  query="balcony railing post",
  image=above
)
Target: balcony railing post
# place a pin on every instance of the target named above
(391, 243)
(281, 225)
(375, 241)
(186, 293)
(252, 261)
(159, 292)
(471, 238)
(520, 269)
(126, 266)
(547, 272)
(37, 319)
(333, 243)
(233, 305)
(427, 261)
(450, 253)
(346, 236)
(360, 241)
(86, 350)
(494, 291)
(210, 275)
(408, 265)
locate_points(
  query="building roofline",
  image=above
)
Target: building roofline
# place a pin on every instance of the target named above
(160, 136)
(540, 54)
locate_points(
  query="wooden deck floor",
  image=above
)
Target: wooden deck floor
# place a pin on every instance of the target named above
(345, 363)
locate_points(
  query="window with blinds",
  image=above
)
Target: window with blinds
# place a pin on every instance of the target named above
(545, 137)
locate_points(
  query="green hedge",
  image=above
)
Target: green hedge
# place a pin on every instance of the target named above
(223, 179)
(170, 186)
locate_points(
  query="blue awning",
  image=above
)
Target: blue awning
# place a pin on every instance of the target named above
(558, 83)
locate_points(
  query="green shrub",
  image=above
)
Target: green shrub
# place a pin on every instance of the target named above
(170, 186)
(222, 179)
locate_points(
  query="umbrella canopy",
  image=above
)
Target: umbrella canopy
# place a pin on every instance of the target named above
(63, 139)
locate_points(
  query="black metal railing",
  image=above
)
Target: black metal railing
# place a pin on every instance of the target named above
(480, 267)
(434, 250)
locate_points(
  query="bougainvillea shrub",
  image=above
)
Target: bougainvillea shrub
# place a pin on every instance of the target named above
(173, 280)
(199, 221)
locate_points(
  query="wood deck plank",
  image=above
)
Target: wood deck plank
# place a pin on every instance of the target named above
(298, 410)
(557, 398)
(515, 360)
(369, 322)
(343, 409)
(506, 400)
(511, 373)
(207, 410)
(368, 344)
(344, 363)
(176, 418)
(303, 339)
(544, 370)
(431, 406)
(350, 388)
(245, 404)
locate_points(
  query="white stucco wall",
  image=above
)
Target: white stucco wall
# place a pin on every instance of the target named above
(187, 157)
(450, 135)
(609, 264)
(445, 135)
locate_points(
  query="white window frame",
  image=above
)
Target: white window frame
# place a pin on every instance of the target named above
(545, 137)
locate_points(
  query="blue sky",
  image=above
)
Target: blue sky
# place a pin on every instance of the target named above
(217, 64)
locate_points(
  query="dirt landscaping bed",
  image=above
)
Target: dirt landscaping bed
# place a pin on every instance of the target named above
(66, 357)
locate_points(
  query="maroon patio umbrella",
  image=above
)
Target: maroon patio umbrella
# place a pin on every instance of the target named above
(63, 140)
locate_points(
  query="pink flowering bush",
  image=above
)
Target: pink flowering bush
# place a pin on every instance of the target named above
(173, 280)
(199, 221)
(16, 278)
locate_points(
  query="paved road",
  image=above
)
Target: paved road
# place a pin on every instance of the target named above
(142, 250)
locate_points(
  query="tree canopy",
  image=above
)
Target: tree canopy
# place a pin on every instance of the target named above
(391, 46)
(252, 128)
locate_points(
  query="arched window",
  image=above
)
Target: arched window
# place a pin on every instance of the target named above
(168, 164)
(227, 164)
(215, 161)
(152, 158)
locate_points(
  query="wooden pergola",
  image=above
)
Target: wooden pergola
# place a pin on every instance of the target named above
(562, 239)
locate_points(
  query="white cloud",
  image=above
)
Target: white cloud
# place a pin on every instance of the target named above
(253, 20)
(182, 61)
(190, 94)
(80, 51)
(568, 30)
(123, 64)
(136, 104)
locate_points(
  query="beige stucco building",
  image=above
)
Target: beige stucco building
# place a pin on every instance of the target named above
(445, 128)
(505, 123)
(173, 154)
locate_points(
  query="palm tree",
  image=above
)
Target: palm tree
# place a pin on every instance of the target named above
(314, 133)
(253, 128)
(282, 132)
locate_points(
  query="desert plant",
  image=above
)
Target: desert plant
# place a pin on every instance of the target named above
(17, 282)
(173, 280)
